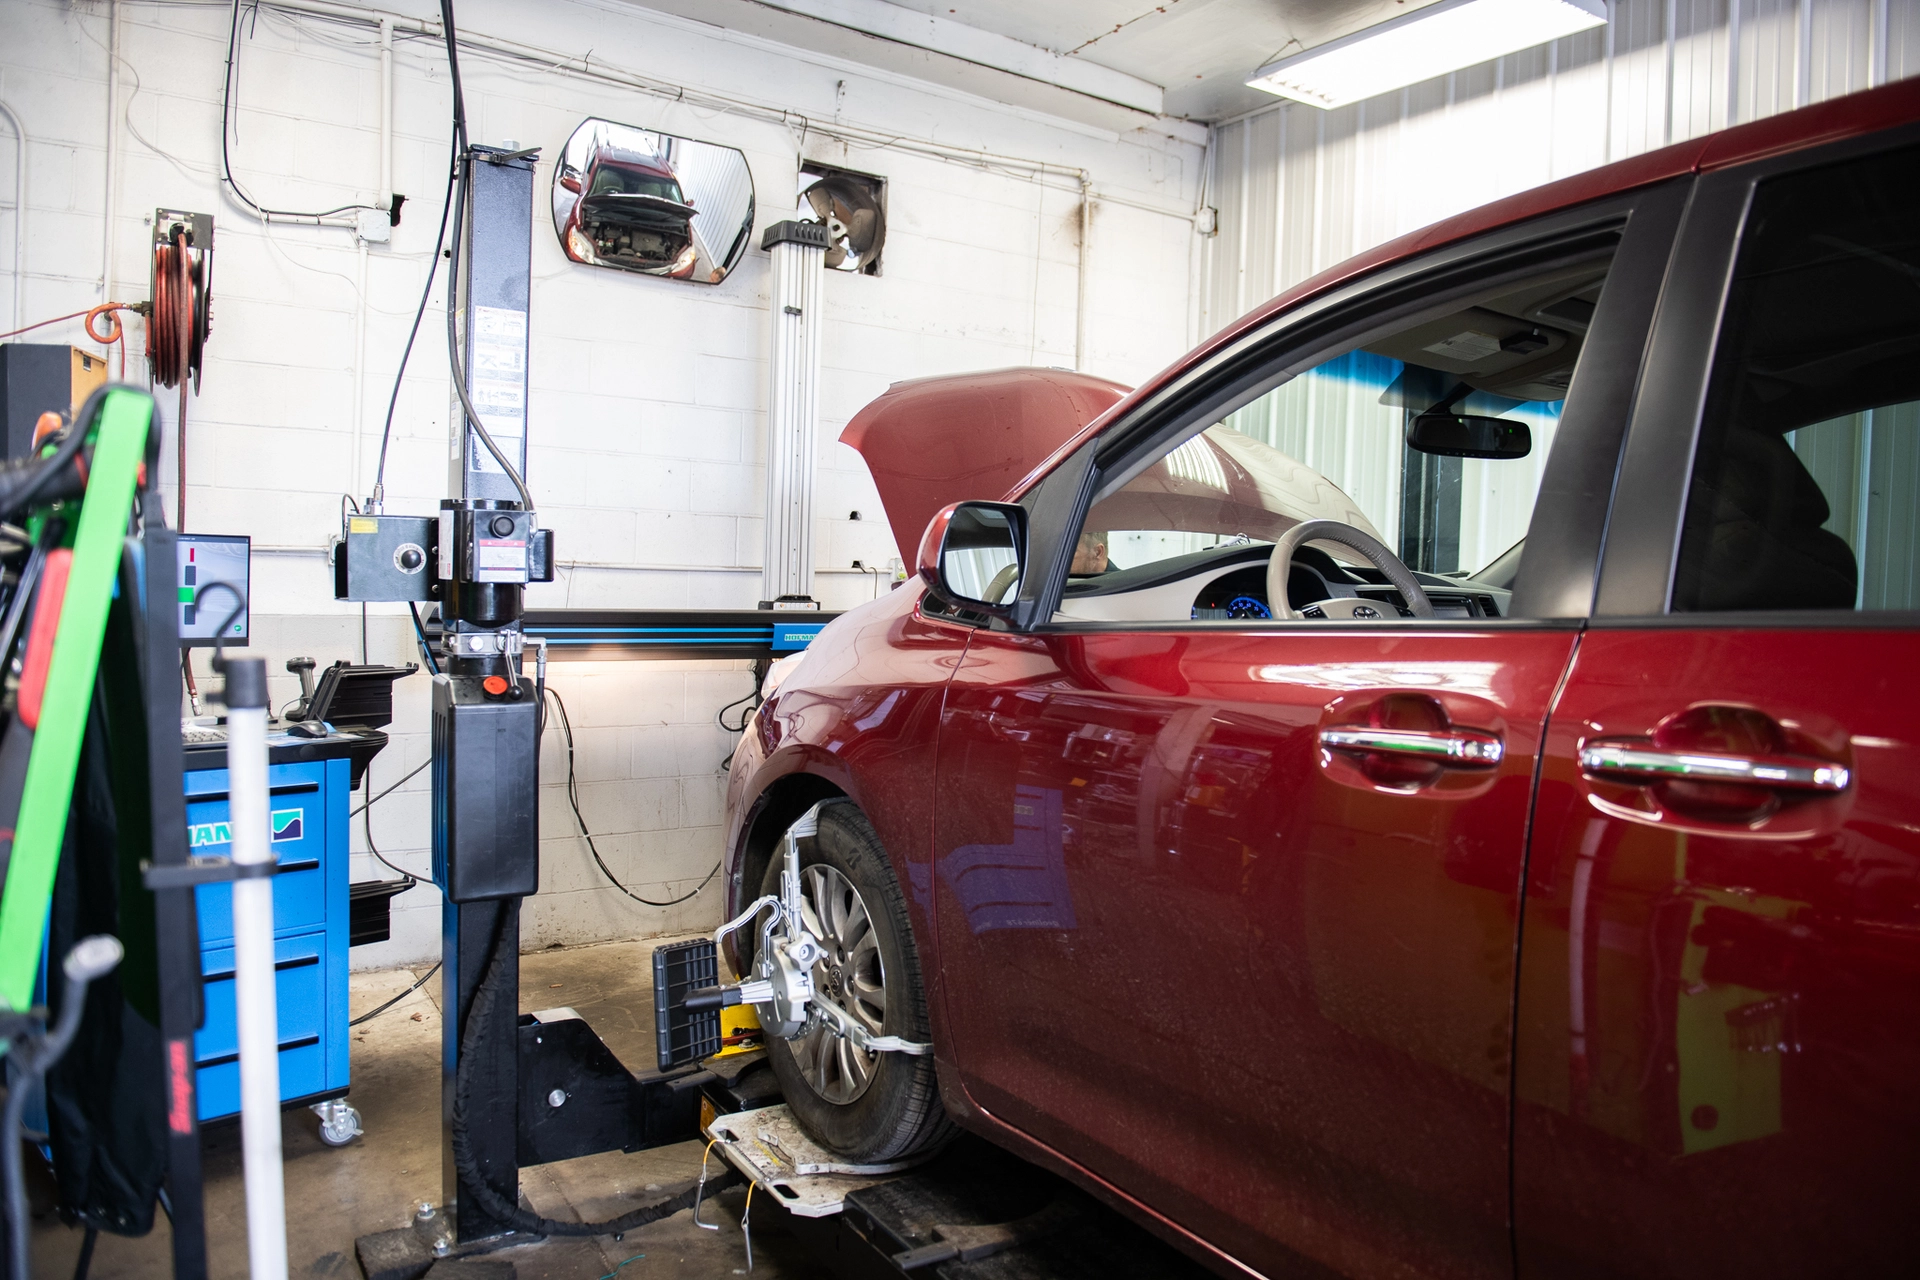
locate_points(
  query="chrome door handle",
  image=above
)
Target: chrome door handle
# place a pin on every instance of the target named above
(1459, 747)
(1644, 764)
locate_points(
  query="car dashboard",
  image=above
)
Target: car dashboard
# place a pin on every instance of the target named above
(1229, 584)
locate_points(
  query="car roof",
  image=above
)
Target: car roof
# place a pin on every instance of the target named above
(1849, 116)
(622, 158)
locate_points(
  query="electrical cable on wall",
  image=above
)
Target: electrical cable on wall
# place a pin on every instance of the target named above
(573, 799)
(377, 500)
(746, 718)
(227, 179)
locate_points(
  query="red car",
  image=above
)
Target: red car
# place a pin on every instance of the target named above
(630, 213)
(1428, 785)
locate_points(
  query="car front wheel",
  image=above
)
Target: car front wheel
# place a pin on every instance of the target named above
(869, 1107)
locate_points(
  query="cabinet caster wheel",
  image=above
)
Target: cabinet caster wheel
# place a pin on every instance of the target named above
(339, 1122)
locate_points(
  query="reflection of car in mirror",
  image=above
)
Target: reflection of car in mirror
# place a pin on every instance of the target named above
(652, 203)
(631, 213)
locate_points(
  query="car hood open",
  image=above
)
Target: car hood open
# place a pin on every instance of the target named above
(932, 441)
(635, 210)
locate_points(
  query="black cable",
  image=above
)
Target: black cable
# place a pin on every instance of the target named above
(420, 632)
(463, 167)
(85, 1261)
(371, 1014)
(226, 164)
(390, 790)
(720, 716)
(573, 798)
(412, 879)
(426, 292)
(374, 849)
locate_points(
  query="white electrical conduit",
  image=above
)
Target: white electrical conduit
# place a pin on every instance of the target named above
(19, 211)
(385, 199)
(253, 974)
(766, 112)
(113, 148)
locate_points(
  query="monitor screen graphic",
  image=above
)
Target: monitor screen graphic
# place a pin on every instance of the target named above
(205, 558)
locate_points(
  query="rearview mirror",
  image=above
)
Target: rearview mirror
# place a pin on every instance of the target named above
(1464, 435)
(975, 552)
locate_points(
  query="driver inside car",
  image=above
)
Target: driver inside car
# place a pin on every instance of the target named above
(1089, 555)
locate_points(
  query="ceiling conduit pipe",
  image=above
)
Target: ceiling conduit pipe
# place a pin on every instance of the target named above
(385, 199)
(113, 147)
(19, 212)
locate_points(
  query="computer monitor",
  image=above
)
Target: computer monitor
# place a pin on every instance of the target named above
(213, 557)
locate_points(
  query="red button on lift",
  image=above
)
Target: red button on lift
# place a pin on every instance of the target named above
(494, 685)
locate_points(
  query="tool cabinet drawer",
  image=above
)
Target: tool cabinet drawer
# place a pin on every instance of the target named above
(301, 998)
(298, 836)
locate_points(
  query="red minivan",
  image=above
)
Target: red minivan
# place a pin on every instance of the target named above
(1429, 785)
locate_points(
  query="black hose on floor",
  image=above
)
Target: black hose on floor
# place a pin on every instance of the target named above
(85, 1262)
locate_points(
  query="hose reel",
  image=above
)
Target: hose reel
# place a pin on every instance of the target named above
(181, 281)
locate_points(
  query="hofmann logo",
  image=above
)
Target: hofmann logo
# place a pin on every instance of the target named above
(286, 824)
(202, 834)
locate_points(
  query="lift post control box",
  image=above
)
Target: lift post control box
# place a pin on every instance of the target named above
(486, 830)
(387, 558)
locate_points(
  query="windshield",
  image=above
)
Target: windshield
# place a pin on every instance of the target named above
(1219, 488)
(611, 180)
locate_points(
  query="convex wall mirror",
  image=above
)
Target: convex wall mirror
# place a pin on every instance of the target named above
(636, 200)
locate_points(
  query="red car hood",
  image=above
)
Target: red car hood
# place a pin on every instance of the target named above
(963, 436)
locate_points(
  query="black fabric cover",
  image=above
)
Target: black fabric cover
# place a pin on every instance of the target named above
(106, 1099)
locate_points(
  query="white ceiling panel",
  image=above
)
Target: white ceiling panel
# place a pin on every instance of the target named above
(1098, 61)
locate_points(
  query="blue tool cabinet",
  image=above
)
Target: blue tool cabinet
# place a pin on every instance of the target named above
(309, 804)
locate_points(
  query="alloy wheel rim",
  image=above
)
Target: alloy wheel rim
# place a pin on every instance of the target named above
(849, 975)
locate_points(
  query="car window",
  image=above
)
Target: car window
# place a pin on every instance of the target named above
(1186, 536)
(1806, 483)
(613, 180)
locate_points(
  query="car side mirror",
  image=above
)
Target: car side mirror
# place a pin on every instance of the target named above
(571, 181)
(1465, 435)
(975, 553)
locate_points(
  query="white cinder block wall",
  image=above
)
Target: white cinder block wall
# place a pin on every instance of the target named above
(648, 396)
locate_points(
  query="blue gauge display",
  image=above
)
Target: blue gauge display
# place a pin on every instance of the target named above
(1248, 607)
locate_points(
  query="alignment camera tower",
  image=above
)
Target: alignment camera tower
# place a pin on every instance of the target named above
(475, 559)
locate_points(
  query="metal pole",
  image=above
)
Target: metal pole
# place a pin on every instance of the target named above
(246, 697)
(19, 211)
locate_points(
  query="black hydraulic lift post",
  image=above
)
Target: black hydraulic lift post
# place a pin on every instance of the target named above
(485, 713)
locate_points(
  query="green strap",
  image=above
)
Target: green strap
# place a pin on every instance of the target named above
(119, 444)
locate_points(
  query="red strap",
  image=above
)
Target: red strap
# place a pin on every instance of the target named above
(46, 621)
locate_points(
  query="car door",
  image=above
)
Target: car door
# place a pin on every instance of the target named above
(1719, 1018)
(1255, 979)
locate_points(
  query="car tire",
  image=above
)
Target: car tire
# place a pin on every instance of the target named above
(894, 1113)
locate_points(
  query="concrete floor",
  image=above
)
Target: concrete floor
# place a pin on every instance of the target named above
(335, 1195)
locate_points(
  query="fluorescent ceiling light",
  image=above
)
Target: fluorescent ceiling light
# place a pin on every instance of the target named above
(1423, 44)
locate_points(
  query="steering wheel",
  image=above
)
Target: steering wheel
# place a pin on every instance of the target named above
(1001, 581)
(1280, 566)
